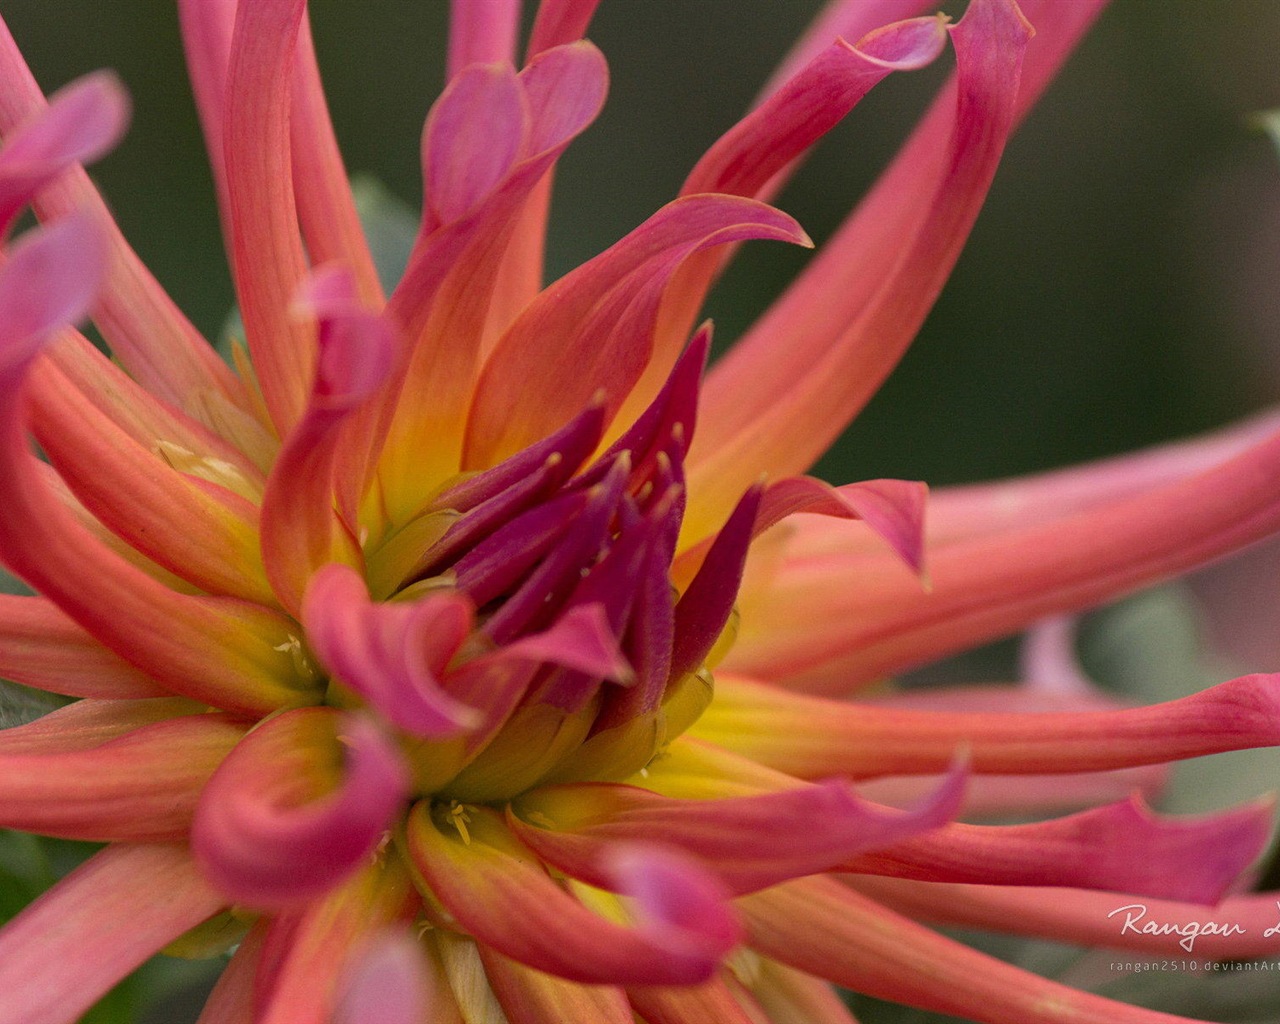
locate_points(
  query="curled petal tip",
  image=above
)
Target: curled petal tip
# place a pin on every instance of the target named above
(678, 898)
(906, 45)
(51, 279)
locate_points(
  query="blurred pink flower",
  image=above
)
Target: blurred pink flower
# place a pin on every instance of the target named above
(394, 640)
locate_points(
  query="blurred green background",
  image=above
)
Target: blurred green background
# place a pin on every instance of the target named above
(1118, 290)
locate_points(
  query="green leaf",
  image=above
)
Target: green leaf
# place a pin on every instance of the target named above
(390, 224)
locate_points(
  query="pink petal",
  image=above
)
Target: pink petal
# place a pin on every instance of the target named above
(559, 22)
(894, 509)
(817, 925)
(810, 104)
(300, 529)
(62, 953)
(481, 32)
(750, 842)
(600, 317)
(828, 636)
(532, 997)
(138, 787)
(266, 251)
(144, 328)
(1246, 923)
(459, 278)
(326, 209)
(692, 1004)
(305, 951)
(267, 831)
(229, 653)
(758, 155)
(813, 737)
(974, 510)
(1123, 847)
(473, 137)
(83, 121)
(1000, 797)
(392, 655)
(506, 900)
(201, 532)
(41, 647)
(794, 382)
(580, 639)
(50, 279)
(389, 983)
(207, 27)
(564, 87)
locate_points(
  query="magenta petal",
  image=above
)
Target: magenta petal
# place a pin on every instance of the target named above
(581, 639)
(894, 509)
(264, 836)
(673, 414)
(705, 606)
(473, 137)
(49, 280)
(84, 120)
(567, 449)
(557, 575)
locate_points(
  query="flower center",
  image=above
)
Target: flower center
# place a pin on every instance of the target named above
(526, 627)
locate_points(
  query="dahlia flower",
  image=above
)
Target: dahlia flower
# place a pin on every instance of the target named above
(472, 653)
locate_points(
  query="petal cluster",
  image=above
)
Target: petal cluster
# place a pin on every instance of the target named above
(467, 650)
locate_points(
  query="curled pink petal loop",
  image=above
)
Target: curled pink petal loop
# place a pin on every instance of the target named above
(272, 830)
(392, 655)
